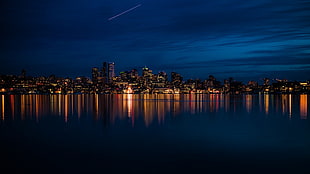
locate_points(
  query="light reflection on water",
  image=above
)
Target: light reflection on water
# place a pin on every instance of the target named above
(152, 107)
(173, 132)
(303, 106)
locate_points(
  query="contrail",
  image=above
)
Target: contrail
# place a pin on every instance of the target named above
(111, 18)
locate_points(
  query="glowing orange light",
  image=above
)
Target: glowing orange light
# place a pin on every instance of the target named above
(2, 104)
(129, 90)
(23, 106)
(37, 107)
(129, 104)
(66, 108)
(79, 106)
(267, 103)
(303, 106)
(248, 101)
(12, 105)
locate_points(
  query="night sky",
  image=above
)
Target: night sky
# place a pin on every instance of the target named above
(247, 40)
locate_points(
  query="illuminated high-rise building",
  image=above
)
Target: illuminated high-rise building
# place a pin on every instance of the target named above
(104, 69)
(111, 71)
(104, 72)
(124, 75)
(134, 73)
(176, 79)
(95, 74)
(146, 72)
(162, 77)
(266, 81)
(211, 81)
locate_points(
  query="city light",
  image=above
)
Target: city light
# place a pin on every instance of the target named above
(104, 80)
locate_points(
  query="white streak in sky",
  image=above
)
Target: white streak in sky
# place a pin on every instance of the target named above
(111, 18)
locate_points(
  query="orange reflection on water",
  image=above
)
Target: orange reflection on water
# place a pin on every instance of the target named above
(129, 104)
(59, 104)
(227, 102)
(176, 104)
(214, 102)
(2, 107)
(12, 101)
(149, 108)
(37, 103)
(303, 106)
(200, 103)
(66, 108)
(79, 105)
(290, 106)
(248, 102)
(31, 104)
(266, 100)
(211, 102)
(217, 101)
(96, 106)
(22, 107)
(160, 107)
(284, 101)
(260, 102)
(192, 103)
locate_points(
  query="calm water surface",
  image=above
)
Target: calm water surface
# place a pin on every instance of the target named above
(163, 133)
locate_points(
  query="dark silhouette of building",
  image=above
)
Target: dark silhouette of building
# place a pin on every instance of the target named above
(95, 74)
(176, 79)
(111, 72)
(23, 75)
(104, 72)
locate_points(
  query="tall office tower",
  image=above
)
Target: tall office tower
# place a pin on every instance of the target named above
(124, 75)
(211, 81)
(176, 78)
(111, 68)
(162, 77)
(146, 72)
(23, 74)
(134, 73)
(104, 72)
(95, 74)
(266, 81)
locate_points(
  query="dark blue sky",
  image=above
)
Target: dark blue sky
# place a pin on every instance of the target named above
(247, 40)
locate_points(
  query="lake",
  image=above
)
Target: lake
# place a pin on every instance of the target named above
(155, 133)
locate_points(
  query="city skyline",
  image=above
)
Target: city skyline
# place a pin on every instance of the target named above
(109, 74)
(110, 70)
(104, 80)
(245, 40)
(155, 86)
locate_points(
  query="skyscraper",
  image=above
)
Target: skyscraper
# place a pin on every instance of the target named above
(23, 74)
(104, 72)
(162, 77)
(111, 68)
(95, 74)
(134, 73)
(146, 72)
(176, 79)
